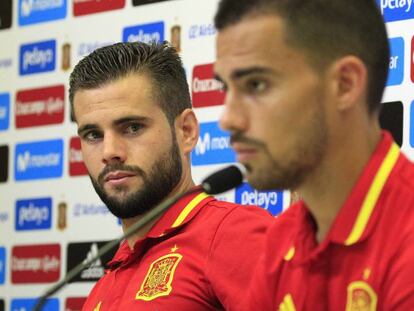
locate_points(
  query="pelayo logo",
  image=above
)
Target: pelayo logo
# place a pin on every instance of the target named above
(38, 11)
(39, 160)
(144, 33)
(213, 146)
(206, 90)
(270, 200)
(76, 165)
(395, 10)
(37, 57)
(33, 214)
(27, 304)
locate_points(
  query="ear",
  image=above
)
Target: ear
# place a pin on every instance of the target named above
(350, 81)
(187, 130)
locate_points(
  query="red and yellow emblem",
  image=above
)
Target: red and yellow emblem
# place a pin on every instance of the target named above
(361, 297)
(159, 277)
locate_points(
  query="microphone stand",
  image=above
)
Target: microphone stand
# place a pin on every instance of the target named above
(153, 213)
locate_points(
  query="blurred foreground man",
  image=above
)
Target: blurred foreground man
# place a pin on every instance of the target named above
(304, 82)
(132, 105)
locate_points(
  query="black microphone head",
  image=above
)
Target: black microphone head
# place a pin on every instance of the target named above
(224, 179)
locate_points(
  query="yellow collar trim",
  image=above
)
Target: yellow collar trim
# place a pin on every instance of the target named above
(373, 194)
(189, 207)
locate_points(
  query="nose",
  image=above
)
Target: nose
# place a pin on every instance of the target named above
(234, 115)
(114, 149)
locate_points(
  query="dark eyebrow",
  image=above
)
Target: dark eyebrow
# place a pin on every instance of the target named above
(116, 122)
(241, 73)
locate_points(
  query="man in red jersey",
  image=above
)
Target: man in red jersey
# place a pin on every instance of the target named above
(132, 106)
(304, 82)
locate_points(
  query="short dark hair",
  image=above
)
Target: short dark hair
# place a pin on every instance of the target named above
(325, 30)
(158, 61)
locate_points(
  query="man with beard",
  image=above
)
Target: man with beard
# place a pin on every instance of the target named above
(304, 81)
(132, 105)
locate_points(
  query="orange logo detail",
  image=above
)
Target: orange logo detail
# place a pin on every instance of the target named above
(98, 306)
(159, 277)
(287, 304)
(361, 297)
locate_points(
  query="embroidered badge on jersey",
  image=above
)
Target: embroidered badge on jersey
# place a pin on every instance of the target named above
(361, 297)
(158, 280)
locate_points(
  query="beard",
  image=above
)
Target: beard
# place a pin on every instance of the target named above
(290, 171)
(157, 184)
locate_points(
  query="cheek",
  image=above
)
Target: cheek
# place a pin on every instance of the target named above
(90, 158)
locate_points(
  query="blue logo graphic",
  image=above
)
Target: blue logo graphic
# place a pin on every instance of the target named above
(33, 214)
(412, 125)
(2, 265)
(52, 304)
(203, 30)
(396, 70)
(270, 200)
(396, 10)
(38, 11)
(39, 160)
(213, 146)
(37, 57)
(144, 33)
(4, 111)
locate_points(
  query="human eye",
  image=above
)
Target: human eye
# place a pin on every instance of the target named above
(256, 86)
(91, 136)
(133, 128)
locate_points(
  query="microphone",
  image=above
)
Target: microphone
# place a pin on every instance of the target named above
(218, 182)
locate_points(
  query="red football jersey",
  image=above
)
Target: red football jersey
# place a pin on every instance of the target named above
(200, 255)
(366, 262)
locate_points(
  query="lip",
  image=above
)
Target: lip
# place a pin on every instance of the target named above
(118, 177)
(244, 153)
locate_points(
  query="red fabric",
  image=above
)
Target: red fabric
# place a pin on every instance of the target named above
(319, 276)
(217, 242)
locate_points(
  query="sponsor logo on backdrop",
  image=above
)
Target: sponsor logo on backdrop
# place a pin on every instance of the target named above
(81, 252)
(205, 89)
(201, 30)
(91, 209)
(76, 165)
(396, 68)
(391, 118)
(86, 48)
(39, 160)
(270, 200)
(6, 63)
(33, 214)
(5, 14)
(140, 2)
(412, 124)
(41, 106)
(37, 57)
(144, 33)
(4, 163)
(4, 111)
(66, 56)
(38, 11)
(395, 10)
(213, 146)
(175, 37)
(84, 7)
(2, 265)
(74, 303)
(35, 263)
(412, 59)
(27, 304)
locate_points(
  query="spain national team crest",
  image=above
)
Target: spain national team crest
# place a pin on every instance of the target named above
(158, 280)
(361, 297)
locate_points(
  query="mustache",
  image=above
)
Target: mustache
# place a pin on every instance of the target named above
(240, 138)
(119, 167)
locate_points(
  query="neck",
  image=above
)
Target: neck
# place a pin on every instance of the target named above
(185, 184)
(326, 190)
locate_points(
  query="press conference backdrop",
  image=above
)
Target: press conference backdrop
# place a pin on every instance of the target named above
(50, 216)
